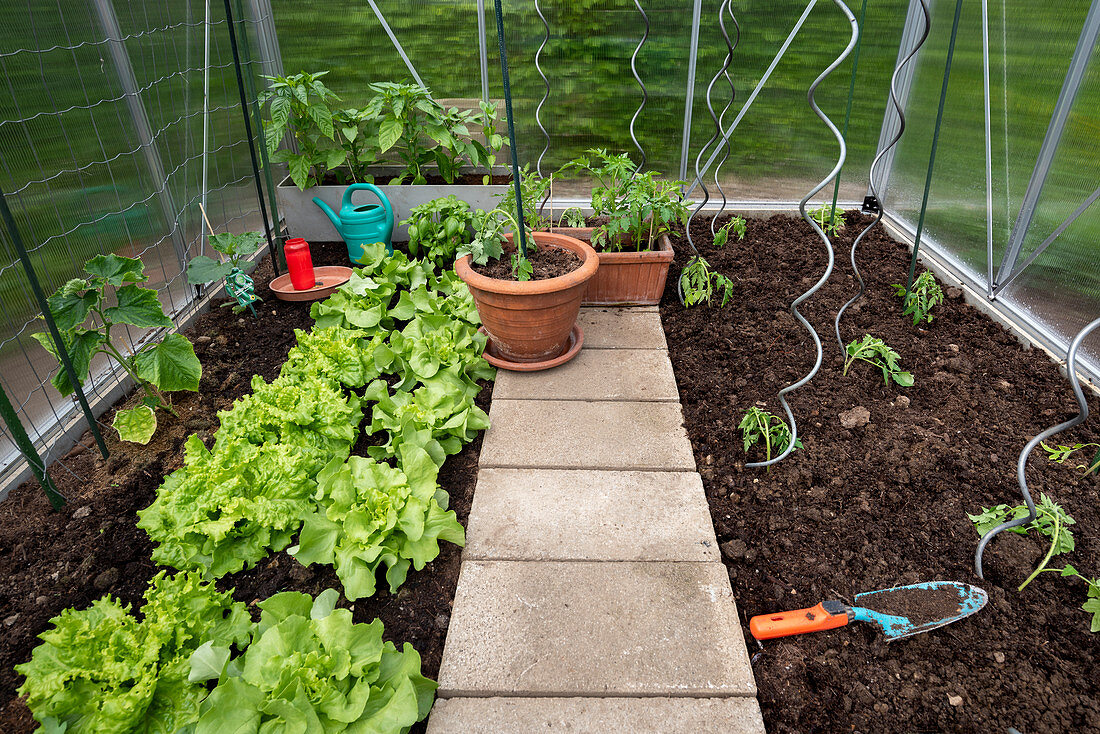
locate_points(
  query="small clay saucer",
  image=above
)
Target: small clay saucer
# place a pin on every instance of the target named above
(328, 277)
(576, 341)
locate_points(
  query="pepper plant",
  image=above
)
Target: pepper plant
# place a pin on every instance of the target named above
(922, 297)
(876, 352)
(439, 226)
(301, 104)
(700, 284)
(82, 314)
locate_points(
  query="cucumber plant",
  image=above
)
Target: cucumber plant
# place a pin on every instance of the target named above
(758, 425)
(925, 295)
(82, 314)
(876, 352)
(700, 284)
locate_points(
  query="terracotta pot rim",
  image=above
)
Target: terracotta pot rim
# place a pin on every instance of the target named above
(590, 262)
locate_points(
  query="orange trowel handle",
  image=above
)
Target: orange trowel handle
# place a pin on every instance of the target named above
(825, 616)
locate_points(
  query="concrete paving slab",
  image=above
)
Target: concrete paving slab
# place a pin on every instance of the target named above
(568, 434)
(561, 515)
(521, 628)
(596, 716)
(621, 328)
(596, 374)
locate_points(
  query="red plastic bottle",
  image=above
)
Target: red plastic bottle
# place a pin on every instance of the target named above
(299, 264)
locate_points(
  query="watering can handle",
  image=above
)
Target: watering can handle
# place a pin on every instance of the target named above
(371, 188)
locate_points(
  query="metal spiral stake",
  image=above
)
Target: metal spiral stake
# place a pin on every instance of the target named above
(828, 247)
(546, 84)
(1021, 464)
(733, 97)
(874, 164)
(645, 93)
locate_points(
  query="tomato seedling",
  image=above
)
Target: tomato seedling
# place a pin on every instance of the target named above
(876, 352)
(925, 295)
(759, 425)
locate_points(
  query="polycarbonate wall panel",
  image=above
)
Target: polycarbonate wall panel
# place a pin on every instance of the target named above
(1030, 48)
(76, 174)
(779, 151)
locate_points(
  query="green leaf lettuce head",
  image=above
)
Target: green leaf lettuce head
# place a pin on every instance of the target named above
(351, 357)
(100, 670)
(434, 342)
(309, 668)
(225, 510)
(372, 515)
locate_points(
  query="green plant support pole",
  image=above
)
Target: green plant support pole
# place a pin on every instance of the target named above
(932, 154)
(248, 132)
(511, 129)
(253, 93)
(26, 447)
(40, 296)
(848, 109)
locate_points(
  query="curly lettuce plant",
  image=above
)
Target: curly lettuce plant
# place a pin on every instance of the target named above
(434, 342)
(352, 357)
(444, 404)
(309, 668)
(81, 312)
(101, 670)
(371, 515)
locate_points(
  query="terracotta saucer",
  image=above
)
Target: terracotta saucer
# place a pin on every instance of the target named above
(328, 277)
(576, 341)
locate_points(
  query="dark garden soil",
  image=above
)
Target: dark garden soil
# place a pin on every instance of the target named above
(54, 560)
(546, 262)
(886, 503)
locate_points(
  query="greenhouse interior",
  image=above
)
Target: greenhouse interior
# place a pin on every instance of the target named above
(684, 366)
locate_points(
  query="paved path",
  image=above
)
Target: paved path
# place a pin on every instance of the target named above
(592, 596)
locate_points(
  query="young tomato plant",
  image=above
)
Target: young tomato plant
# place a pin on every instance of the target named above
(300, 104)
(439, 227)
(734, 226)
(571, 217)
(829, 218)
(923, 297)
(876, 352)
(203, 270)
(1060, 453)
(1092, 601)
(488, 242)
(158, 366)
(533, 190)
(700, 284)
(759, 425)
(1051, 520)
(638, 206)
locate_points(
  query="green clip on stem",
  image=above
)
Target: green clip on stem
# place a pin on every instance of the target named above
(240, 286)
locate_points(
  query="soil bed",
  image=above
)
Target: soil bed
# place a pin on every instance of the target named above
(885, 503)
(53, 560)
(546, 262)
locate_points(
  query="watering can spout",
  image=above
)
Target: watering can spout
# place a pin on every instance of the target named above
(330, 214)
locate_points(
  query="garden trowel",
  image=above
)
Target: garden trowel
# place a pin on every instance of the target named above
(899, 612)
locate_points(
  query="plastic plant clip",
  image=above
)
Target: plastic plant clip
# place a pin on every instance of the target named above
(240, 286)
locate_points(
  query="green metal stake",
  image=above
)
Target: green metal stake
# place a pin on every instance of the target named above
(848, 109)
(62, 353)
(26, 447)
(932, 155)
(511, 130)
(261, 137)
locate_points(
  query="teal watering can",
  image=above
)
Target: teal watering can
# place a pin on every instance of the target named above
(363, 224)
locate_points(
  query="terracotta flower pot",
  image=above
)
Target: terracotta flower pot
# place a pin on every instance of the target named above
(531, 321)
(626, 278)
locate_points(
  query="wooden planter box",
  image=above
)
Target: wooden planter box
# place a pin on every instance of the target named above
(626, 278)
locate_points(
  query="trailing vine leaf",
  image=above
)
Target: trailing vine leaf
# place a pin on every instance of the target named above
(136, 424)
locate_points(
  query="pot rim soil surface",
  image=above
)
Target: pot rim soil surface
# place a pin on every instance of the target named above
(627, 277)
(589, 265)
